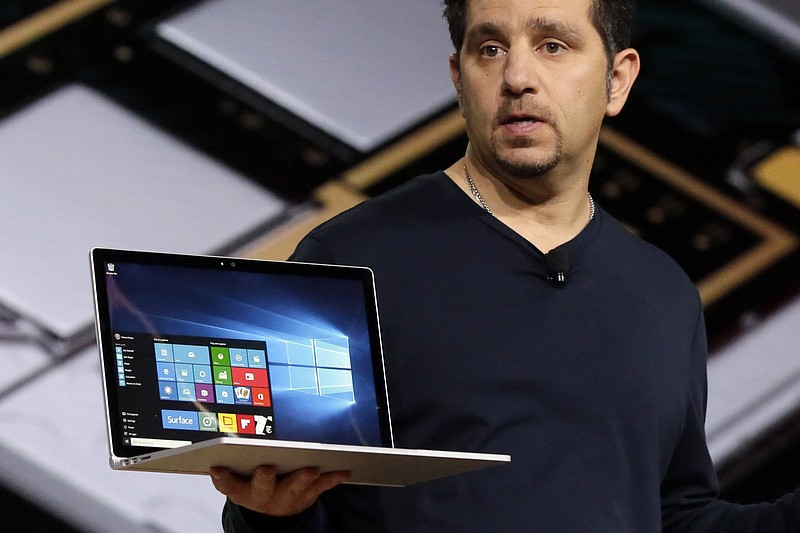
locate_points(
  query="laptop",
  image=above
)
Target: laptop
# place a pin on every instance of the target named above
(213, 361)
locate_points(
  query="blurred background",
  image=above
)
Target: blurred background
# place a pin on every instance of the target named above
(235, 126)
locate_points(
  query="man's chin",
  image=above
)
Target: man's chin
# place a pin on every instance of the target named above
(529, 166)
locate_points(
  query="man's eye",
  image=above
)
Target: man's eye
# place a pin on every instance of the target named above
(554, 48)
(491, 51)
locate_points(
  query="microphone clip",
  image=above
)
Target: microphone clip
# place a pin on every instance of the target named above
(557, 265)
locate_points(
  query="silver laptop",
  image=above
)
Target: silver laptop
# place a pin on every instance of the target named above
(212, 361)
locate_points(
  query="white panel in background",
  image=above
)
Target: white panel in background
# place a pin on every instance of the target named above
(754, 384)
(79, 171)
(54, 451)
(20, 360)
(362, 71)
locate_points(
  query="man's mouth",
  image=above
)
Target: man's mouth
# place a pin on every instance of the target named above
(521, 116)
(522, 122)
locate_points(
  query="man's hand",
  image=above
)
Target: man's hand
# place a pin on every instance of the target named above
(265, 492)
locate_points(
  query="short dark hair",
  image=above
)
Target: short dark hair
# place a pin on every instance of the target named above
(613, 20)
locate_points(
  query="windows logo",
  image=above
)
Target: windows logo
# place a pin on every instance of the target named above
(320, 367)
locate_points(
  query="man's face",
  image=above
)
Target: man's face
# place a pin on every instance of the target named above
(532, 75)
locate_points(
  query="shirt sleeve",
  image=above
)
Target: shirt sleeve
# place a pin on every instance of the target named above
(311, 250)
(236, 519)
(689, 490)
(344, 508)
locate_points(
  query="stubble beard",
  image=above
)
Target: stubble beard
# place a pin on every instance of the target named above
(524, 168)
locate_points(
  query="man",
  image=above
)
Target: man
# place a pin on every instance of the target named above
(595, 385)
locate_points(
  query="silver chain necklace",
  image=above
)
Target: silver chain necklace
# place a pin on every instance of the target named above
(477, 195)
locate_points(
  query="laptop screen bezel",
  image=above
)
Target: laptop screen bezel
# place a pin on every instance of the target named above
(100, 257)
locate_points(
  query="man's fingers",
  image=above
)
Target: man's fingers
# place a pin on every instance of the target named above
(328, 481)
(262, 483)
(224, 481)
(265, 492)
(298, 481)
(250, 492)
(302, 487)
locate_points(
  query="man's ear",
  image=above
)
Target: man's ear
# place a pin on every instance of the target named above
(623, 75)
(455, 75)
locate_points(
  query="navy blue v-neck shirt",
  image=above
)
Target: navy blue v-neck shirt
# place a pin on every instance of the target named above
(596, 387)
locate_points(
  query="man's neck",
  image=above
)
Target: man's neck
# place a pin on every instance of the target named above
(546, 215)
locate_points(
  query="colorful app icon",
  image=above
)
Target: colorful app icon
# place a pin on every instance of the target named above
(261, 397)
(263, 424)
(222, 375)
(224, 394)
(168, 391)
(197, 355)
(208, 421)
(184, 372)
(220, 356)
(242, 396)
(257, 358)
(227, 423)
(252, 377)
(247, 424)
(164, 352)
(186, 392)
(204, 392)
(202, 374)
(165, 371)
(239, 357)
(179, 419)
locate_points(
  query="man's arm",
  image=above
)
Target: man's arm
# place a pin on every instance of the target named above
(689, 489)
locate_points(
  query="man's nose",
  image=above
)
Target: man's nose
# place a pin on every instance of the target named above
(520, 75)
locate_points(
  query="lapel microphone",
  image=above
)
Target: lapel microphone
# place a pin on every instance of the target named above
(557, 263)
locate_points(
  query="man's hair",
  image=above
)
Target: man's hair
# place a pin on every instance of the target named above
(613, 20)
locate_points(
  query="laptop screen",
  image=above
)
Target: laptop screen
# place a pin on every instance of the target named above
(198, 347)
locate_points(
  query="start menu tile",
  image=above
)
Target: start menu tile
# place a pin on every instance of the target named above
(206, 385)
